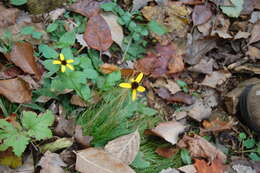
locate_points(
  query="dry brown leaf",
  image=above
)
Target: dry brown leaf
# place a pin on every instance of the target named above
(115, 28)
(241, 34)
(22, 56)
(78, 101)
(86, 8)
(65, 127)
(169, 170)
(255, 34)
(124, 148)
(253, 52)
(214, 167)
(81, 138)
(108, 68)
(200, 147)
(93, 160)
(7, 16)
(216, 78)
(172, 86)
(16, 90)
(138, 4)
(201, 14)
(98, 35)
(166, 152)
(221, 27)
(199, 110)
(169, 131)
(188, 169)
(204, 66)
(51, 162)
(217, 125)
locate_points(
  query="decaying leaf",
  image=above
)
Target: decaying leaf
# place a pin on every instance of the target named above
(81, 138)
(51, 162)
(217, 125)
(16, 90)
(22, 56)
(215, 166)
(124, 148)
(216, 78)
(58, 144)
(242, 34)
(166, 152)
(98, 35)
(80, 40)
(204, 66)
(201, 14)
(253, 52)
(200, 147)
(77, 100)
(138, 4)
(65, 127)
(27, 167)
(8, 158)
(221, 27)
(199, 111)
(169, 170)
(94, 160)
(108, 68)
(255, 35)
(86, 8)
(188, 169)
(169, 131)
(115, 28)
(7, 16)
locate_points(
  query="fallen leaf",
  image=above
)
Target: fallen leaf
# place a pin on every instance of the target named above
(255, 35)
(94, 160)
(81, 138)
(205, 28)
(22, 56)
(176, 65)
(78, 101)
(172, 86)
(169, 131)
(65, 127)
(200, 147)
(242, 34)
(9, 72)
(55, 14)
(188, 169)
(138, 4)
(204, 66)
(169, 170)
(166, 152)
(86, 8)
(192, 2)
(115, 28)
(255, 16)
(216, 78)
(51, 162)
(182, 97)
(98, 35)
(28, 165)
(16, 90)
(108, 68)
(8, 16)
(8, 158)
(217, 125)
(124, 148)
(81, 41)
(68, 156)
(221, 27)
(253, 52)
(201, 14)
(214, 167)
(234, 10)
(56, 145)
(199, 111)
(248, 68)
(179, 115)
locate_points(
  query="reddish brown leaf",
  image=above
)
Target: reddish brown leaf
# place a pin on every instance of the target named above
(127, 72)
(22, 56)
(7, 16)
(166, 152)
(203, 167)
(98, 35)
(176, 65)
(201, 14)
(86, 8)
(15, 90)
(9, 73)
(108, 68)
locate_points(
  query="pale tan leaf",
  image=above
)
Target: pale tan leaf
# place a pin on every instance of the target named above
(188, 169)
(255, 34)
(7, 16)
(216, 78)
(93, 160)
(124, 148)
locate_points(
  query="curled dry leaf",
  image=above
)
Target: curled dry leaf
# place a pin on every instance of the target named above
(169, 131)
(201, 14)
(108, 68)
(16, 90)
(98, 35)
(81, 138)
(7, 16)
(22, 56)
(221, 27)
(124, 148)
(93, 160)
(115, 28)
(51, 162)
(216, 78)
(216, 166)
(200, 147)
(86, 8)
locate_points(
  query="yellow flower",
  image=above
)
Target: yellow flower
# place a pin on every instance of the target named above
(64, 63)
(134, 85)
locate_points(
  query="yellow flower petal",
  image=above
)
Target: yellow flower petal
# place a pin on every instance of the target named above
(63, 68)
(70, 61)
(56, 62)
(70, 66)
(62, 57)
(134, 95)
(141, 89)
(139, 77)
(125, 85)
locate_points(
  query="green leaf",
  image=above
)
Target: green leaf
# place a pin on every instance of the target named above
(86, 92)
(68, 39)
(85, 63)
(18, 2)
(185, 156)
(254, 156)
(146, 110)
(52, 27)
(67, 52)
(139, 162)
(181, 83)
(242, 136)
(37, 126)
(91, 73)
(249, 143)
(28, 30)
(108, 6)
(112, 78)
(37, 35)
(235, 10)
(47, 51)
(156, 27)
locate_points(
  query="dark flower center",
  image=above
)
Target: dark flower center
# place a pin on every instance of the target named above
(63, 62)
(135, 85)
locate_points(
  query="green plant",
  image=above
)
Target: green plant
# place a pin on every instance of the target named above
(6, 42)
(183, 85)
(18, 2)
(32, 127)
(185, 156)
(30, 30)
